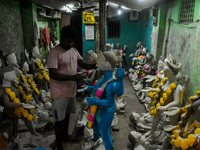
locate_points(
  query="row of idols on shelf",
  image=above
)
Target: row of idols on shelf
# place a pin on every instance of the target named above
(168, 123)
(25, 98)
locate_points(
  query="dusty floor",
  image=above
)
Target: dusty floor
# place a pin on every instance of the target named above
(120, 137)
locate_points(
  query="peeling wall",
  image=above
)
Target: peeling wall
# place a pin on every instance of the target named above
(148, 34)
(158, 34)
(11, 28)
(17, 28)
(183, 43)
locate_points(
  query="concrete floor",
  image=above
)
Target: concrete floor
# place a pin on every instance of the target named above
(120, 137)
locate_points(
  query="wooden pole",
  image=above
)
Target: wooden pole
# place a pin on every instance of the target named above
(102, 27)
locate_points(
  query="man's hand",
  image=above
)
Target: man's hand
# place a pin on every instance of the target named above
(77, 77)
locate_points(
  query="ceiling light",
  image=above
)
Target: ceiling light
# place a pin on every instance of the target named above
(70, 5)
(119, 11)
(67, 9)
(124, 7)
(113, 4)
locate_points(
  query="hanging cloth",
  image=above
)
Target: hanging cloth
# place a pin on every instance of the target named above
(47, 37)
(42, 37)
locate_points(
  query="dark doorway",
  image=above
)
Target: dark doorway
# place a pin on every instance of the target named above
(76, 21)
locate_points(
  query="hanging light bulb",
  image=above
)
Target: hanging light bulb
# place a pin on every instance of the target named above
(119, 11)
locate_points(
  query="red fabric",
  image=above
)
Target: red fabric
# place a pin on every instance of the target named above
(2, 142)
(47, 37)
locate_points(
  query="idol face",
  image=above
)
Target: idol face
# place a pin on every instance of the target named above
(102, 64)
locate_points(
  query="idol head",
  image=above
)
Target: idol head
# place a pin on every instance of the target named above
(107, 61)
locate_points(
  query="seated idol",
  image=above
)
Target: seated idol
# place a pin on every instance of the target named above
(14, 106)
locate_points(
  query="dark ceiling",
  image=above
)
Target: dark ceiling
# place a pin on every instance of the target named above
(113, 5)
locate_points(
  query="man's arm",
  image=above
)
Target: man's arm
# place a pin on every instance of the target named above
(53, 74)
(85, 65)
